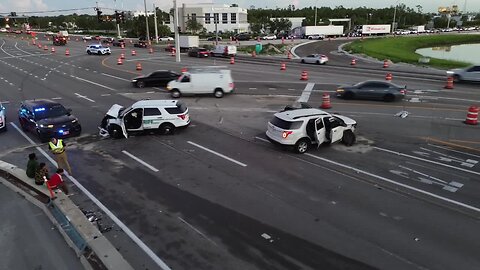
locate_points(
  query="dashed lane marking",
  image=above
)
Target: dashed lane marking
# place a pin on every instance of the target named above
(140, 161)
(115, 77)
(218, 154)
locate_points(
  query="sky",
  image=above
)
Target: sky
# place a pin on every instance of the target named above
(6, 6)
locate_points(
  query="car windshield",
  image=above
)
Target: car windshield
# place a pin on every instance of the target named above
(49, 111)
(285, 124)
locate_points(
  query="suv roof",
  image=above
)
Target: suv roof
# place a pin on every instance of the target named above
(145, 103)
(300, 113)
(39, 102)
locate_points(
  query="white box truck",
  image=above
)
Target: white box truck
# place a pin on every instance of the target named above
(322, 30)
(376, 29)
(187, 42)
(419, 29)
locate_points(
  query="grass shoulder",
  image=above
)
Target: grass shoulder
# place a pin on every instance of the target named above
(402, 49)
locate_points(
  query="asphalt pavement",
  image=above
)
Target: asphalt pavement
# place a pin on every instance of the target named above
(220, 196)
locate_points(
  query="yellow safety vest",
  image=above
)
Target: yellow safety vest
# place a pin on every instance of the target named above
(57, 149)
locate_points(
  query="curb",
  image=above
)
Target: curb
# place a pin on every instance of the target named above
(93, 249)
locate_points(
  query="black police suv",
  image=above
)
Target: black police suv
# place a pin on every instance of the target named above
(48, 119)
(156, 78)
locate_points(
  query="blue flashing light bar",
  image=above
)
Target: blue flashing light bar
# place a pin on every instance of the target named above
(40, 109)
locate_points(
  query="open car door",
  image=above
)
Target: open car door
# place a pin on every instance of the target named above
(338, 128)
(319, 131)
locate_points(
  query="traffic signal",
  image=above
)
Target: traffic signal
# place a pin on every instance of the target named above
(123, 17)
(117, 17)
(99, 15)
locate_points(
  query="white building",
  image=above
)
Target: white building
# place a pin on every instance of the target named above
(225, 17)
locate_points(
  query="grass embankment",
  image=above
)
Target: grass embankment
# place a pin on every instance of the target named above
(267, 49)
(402, 49)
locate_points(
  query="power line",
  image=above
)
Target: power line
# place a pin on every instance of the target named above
(49, 11)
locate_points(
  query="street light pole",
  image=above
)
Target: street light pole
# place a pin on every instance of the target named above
(146, 20)
(394, 17)
(315, 13)
(177, 36)
(118, 23)
(155, 21)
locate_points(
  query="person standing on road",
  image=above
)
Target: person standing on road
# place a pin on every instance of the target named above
(41, 174)
(32, 165)
(56, 181)
(57, 147)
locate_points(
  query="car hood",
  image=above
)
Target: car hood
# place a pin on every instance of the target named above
(456, 70)
(114, 111)
(347, 120)
(138, 77)
(56, 120)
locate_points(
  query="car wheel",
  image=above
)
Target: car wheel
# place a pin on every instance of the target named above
(457, 78)
(115, 132)
(388, 98)
(348, 138)
(218, 93)
(318, 62)
(140, 84)
(89, 52)
(176, 93)
(301, 146)
(303, 61)
(349, 95)
(167, 129)
(99, 53)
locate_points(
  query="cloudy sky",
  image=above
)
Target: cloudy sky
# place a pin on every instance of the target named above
(47, 5)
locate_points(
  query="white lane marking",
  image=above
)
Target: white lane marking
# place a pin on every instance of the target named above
(105, 95)
(262, 139)
(94, 83)
(112, 216)
(218, 154)
(423, 174)
(252, 88)
(306, 93)
(115, 77)
(197, 231)
(397, 183)
(426, 160)
(448, 149)
(291, 89)
(55, 98)
(150, 92)
(271, 88)
(84, 97)
(140, 161)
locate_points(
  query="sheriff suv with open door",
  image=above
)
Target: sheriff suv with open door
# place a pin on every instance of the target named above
(301, 128)
(162, 116)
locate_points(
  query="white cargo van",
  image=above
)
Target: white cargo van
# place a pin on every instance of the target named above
(224, 50)
(203, 80)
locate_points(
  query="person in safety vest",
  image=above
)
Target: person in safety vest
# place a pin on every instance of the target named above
(57, 147)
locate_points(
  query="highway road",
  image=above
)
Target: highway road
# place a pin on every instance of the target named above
(218, 195)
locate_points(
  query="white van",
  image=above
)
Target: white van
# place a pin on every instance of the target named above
(224, 50)
(204, 80)
(63, 33)
(163, 116)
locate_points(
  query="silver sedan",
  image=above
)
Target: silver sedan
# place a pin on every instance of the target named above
(319, 59)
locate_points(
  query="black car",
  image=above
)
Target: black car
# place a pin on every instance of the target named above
(213, 39)
(373, 90)
(243, 36)
(140, 44)
(198, 52)
(156, 78)
(118, 42)
(48, 119)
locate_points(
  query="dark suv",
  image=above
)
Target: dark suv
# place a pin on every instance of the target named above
(48, 119)
(243, 36)
(156, 78)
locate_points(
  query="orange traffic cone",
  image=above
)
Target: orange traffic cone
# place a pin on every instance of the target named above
(326, 101)
(53, 49)
(472, 115)
(254, 54)
(122, 45)
(173, 52)
(48, 39)
(289, 55)
(385, 63)
(119, 61)
(67, 52)
(138, 66)
(283, 66)
(134, 53)
(354, 62)
(449, 84)
(304, 76)
(388, 77)
(45, 48)
(150, 50)
(39, 46)
(76, 39)
(184, 69)
(34, 42)
(232, 60)
(122, 56)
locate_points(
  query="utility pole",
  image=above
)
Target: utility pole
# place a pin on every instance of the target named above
(177, 36)
(155, 21)
(146, 20)
(315, 13)
(216, 18)
(116, 18)
(394, 17)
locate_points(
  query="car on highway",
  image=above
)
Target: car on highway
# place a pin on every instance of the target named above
(213, 38)
(471, 73)
(156, 78)
(108, 40)
(18, 32)
(3, 30)
(318, 37)
(46, 119)
(372, 90)
(87, 37)
(166, 39)
(118, 42)
(319, 59)
(242, 36)
(3, 118)
(140, 44)
(301, 128)
(224, 50)
(49, 33)
(269, 37)
(162, 116)
(198, 52)
(98, 49)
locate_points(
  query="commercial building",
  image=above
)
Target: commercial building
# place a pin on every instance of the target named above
(226, 18)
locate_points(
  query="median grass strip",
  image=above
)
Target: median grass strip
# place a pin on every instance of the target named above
(402, 49)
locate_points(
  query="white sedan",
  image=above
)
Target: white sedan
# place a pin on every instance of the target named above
(319, 59)
(87, 37)
(166, 39)
(269, 37)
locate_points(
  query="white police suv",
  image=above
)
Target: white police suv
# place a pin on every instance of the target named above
(97, 49)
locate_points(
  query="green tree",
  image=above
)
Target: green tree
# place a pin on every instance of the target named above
(194, 26)
(279, 25)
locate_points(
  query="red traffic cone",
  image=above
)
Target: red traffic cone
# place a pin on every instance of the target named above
(304, 76)
(173, 52)
(326, 101)
(232, 60)
(67, 52)
(122, 56)
(53, 49)
(283, 66)
(45, 48)
(388, 77)
(150, 50)
(39, 46)
(354, 62)
(122, 45)
(472, 115)
(134, 53)
(119, 61)
(289, 55)
(385, 63)
(254, 54)
(184, 69)
(449, 84)
(138, 66)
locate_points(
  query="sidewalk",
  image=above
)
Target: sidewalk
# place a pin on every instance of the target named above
(28, 239)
